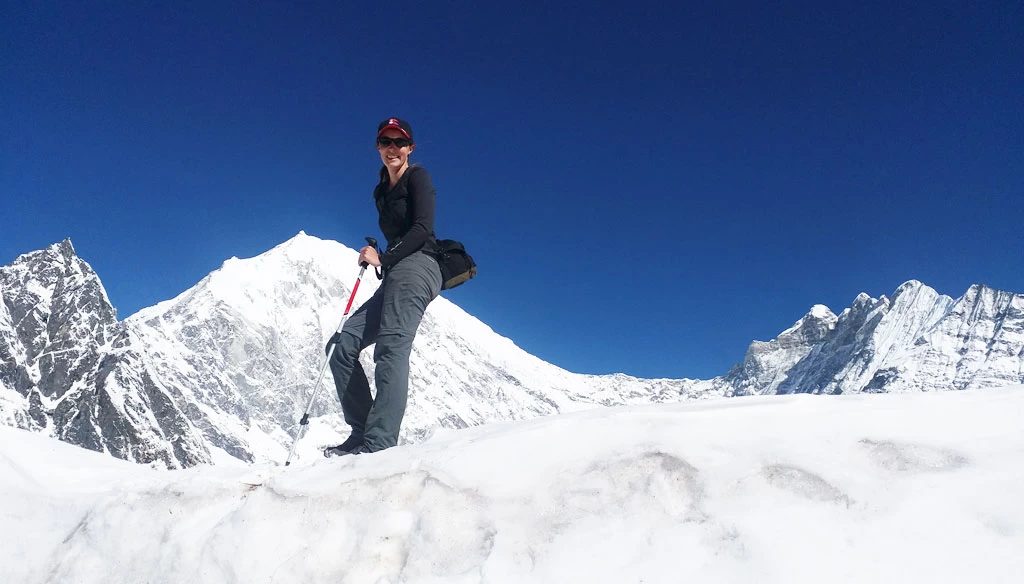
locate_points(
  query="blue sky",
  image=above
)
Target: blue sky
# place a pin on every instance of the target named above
(647, 187)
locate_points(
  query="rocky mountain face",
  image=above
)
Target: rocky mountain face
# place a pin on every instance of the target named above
(224, 370)
(68, 368)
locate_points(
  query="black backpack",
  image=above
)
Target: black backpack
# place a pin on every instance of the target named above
(457, 266)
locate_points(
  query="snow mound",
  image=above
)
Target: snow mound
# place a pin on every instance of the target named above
(865, 488)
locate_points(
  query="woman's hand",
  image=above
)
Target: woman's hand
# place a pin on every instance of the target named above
(368, 255)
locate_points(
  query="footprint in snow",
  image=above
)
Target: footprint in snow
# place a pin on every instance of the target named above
(803, 483)
(909, 457)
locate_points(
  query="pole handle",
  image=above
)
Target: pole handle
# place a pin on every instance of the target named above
(372, 243)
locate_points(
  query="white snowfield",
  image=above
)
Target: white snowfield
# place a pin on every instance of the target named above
(922, 487)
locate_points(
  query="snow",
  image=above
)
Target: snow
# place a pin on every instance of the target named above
(12, 404)
(914, 487)
(820, 311)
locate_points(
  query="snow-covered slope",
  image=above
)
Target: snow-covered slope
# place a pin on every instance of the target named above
(906, 488)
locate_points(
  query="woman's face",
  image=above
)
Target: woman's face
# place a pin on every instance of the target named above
(392, 156)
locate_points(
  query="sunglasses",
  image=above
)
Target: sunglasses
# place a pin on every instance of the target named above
(399, 142)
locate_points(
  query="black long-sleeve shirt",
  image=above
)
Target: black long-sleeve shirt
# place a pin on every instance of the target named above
(406, 213)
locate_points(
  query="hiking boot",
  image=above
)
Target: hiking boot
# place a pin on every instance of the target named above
(336, 451)
(346, 447)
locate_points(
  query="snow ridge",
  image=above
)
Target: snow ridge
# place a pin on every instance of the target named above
(858, 488)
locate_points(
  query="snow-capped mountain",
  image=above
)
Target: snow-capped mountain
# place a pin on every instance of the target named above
(224, 370)
(919, 340)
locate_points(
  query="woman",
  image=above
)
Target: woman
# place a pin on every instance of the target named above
(412, 278)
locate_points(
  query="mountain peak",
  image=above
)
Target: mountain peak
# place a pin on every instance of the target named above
(65, 249)
(56, 253)
(983, 290)
(912, 289)
(820, 312)
(812, 327)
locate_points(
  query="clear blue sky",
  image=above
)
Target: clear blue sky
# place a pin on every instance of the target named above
(647, 187)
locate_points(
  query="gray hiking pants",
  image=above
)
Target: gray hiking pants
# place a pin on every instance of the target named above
(390, 319)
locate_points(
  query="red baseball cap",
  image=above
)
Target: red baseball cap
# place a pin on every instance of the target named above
(397, 124)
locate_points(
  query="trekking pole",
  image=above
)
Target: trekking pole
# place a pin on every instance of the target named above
(304, 422)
